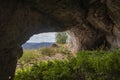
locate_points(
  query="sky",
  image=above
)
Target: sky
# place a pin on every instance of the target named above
(42, 37)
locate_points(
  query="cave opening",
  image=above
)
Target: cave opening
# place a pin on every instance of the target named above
(20, 19)
(44, 47)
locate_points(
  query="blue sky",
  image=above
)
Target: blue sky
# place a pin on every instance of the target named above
(42, 37)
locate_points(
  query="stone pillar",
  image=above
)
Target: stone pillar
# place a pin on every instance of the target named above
(8, 61)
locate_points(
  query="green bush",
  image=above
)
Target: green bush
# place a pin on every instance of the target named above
(63, 50)
(61, 37)
(48, 51)
(88, 65)
(23, 74)
(29, 57)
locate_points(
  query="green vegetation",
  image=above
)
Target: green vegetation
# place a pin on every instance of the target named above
(87, 65)
(37, 55)
(48, 51)
(29, 55)
(61, 37)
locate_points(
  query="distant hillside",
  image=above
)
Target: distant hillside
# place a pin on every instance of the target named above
(36, 45)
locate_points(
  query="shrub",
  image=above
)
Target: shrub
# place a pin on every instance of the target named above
(23, 74)
(29, 57)
(61, 37)
(48, 51)
(88, 65)
(63, 50)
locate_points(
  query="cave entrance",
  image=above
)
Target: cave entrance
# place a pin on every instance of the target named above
(44, 47)
(81, 39)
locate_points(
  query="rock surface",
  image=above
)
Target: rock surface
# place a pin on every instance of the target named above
(91, 23)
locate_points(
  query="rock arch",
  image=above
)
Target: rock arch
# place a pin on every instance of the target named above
(90, 23)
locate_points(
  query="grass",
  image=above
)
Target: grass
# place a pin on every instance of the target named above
(29, 55)
(87, 65)
(37, 55)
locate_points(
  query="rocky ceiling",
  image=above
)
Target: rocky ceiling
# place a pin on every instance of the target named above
(91, 23)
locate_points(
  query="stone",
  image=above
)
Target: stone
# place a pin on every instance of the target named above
(91, 23)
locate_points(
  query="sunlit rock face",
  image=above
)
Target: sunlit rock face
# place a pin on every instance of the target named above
(91, 23)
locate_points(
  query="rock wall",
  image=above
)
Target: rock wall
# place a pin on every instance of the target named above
(91, 23)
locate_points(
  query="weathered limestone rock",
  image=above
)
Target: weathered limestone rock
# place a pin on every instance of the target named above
(88, 38)
(91, 24)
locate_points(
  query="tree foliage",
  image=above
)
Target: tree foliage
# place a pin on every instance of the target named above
(61, 37)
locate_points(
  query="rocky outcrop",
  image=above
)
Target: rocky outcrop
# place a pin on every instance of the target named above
(91, 23)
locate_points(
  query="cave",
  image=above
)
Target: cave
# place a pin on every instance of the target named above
(90, 23)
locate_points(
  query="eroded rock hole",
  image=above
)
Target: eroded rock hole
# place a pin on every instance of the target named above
(45, 46)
